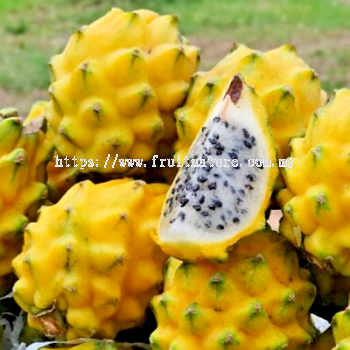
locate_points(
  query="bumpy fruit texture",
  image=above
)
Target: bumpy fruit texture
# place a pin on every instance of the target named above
(59, 179)
(341, 330)
(116, 86)
(38, 110)
(23, 158)
(324, 342)
(88, 266)
(316, 201)
(258, 299)
(288, 87)
(212, 205)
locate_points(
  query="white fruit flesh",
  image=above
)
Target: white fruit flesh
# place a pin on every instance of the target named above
(212, 203)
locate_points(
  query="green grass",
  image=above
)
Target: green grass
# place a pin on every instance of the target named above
(31, 31)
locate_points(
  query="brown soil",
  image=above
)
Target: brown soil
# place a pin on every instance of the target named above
(20, 101)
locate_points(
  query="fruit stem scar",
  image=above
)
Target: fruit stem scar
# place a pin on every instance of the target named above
(235, 89)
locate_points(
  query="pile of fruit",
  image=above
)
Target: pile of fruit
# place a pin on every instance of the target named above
(177, 255)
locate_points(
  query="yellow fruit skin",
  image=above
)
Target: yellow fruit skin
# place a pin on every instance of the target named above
(89, 263)
(341, 330)
(38, 110)
(23, 157)
(59, 179)
(316, 201)
(114, 86)
(258, 299)
(290, 97)
(343, 344)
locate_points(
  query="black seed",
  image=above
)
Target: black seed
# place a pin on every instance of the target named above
(236, 220)
(217, 203)
(233, 191)
(239, 200)
(216, 136)
(220, 227)
(233, 155)
(247, 144)
(172, 220)
(204, 156)
(188, 178)
(216, 175)
(207, 224)
(250, 187)
(212, 186)
(243, 211)
(218, 146)
(195, 157)
(251, 177)
(195, 188)
(217, 119)
(167, 201)
(202, 200)
(213, 141)
(188, 186)
(218, 153)
(207, 168)
(205, 213)
(183, 201)
(253, 141)
(202, 178)
(212, 206)
(179, 188)
(197, 207)
(173, 191)
(182, 215)
(204, 127)
(177, 180)
(226, 124)
(246, 133)
(242, 192)
(226, 183)
(260, 167)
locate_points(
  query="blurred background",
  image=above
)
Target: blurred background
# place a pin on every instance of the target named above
(31, 31)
